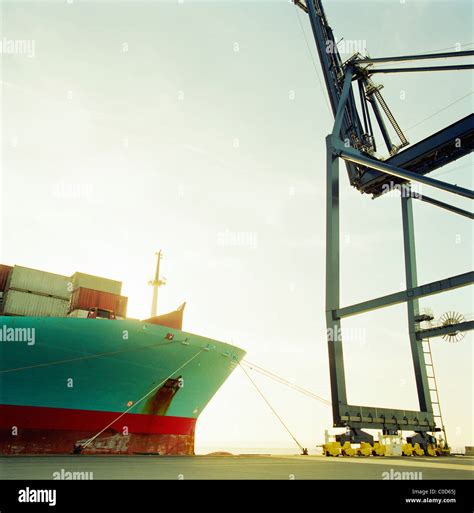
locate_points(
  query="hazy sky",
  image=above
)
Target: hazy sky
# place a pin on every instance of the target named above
(198, 128)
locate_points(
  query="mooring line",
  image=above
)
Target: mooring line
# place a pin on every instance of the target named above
(303, 450)
(284, 381)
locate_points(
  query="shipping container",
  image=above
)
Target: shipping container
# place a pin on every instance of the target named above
(34, 305)
(39, 282)
(84, 299)
(5, 271)
(88, 281)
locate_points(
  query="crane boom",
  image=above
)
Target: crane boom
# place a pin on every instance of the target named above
(354, 124)
(333, 69)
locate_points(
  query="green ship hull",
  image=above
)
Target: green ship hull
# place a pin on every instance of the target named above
(102, 386)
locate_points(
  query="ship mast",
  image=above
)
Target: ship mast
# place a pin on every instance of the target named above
(156, 283)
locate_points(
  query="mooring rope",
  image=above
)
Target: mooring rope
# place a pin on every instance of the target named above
(90, 440)
(303, 450)
(284, 381)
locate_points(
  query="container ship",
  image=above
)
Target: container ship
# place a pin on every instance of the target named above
(78, 376)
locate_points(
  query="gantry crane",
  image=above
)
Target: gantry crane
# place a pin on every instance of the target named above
(353, 139)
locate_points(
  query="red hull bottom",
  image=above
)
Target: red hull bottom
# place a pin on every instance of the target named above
(42, 430)
(52, 441)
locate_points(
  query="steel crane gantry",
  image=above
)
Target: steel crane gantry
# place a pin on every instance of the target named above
(353, 139)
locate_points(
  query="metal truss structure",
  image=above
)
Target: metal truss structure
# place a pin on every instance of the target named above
(354, 141)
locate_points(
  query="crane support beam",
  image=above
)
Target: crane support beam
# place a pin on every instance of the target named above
(429, 289)
(333, 325)
(412, 305)
(439, 149)
(347, 88)
(356, 157)
(439, 331)
(458, 67)
(423, 56)
(442, 204)
(372, 417)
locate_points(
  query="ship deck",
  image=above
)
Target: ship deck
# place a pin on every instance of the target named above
(265, 467)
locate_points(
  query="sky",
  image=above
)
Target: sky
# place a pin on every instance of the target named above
(198, 128)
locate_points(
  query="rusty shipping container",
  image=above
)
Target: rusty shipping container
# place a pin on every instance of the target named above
(88, 281)
(17, 302)
(39, 282)
(5, 271)
(83, 299)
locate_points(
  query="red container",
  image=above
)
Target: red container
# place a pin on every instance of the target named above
(4, 273)
(83, 299)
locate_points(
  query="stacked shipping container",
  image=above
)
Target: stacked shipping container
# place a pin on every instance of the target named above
(5, 271)
(29, 292)
(96, 292)
(40, 282)
(84, 299)
(89, 281)
(29, 304)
